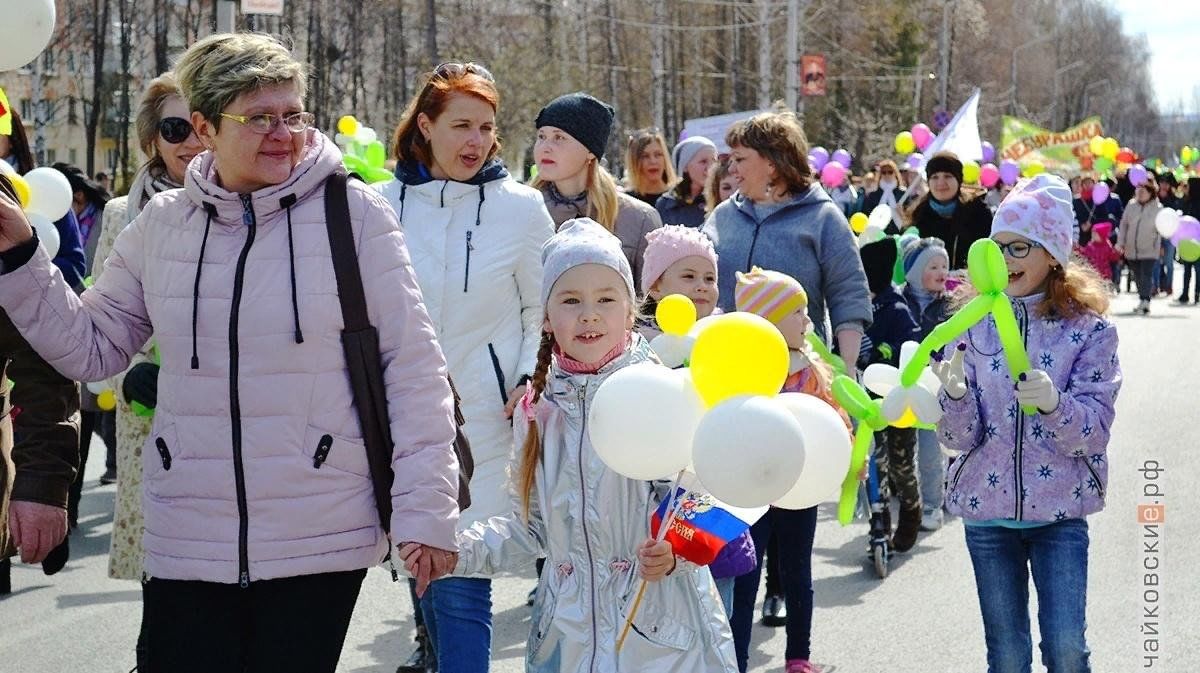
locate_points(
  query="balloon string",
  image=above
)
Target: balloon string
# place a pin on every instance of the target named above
(673, 506)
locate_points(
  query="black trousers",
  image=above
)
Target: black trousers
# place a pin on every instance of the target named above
(288, 624)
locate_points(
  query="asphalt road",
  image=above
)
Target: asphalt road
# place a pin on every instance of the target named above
(922, 618)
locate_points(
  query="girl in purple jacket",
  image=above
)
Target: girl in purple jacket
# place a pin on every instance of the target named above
(1025, 483)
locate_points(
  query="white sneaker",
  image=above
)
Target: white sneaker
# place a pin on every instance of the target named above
(931, 520)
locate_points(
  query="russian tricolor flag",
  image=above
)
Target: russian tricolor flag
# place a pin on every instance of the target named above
(703, 525)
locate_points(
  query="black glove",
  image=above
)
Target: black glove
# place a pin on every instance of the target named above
(141, 385)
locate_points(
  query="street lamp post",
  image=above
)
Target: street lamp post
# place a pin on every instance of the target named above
(1013, 103)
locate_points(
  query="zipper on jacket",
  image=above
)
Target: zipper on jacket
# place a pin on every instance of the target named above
(467, 272)
(323, 446)
(163, 452)
(1099, 484)
(753, 242)
(499, 375)
(587, 542)
(962, 464)
(235, 407)
(1019, 496)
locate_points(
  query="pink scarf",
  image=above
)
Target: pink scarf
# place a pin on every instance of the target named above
(572, 366)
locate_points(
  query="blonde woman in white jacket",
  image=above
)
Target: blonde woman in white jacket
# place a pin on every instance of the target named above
(475, 236)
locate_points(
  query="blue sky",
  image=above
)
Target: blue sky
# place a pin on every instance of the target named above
(1173, 29)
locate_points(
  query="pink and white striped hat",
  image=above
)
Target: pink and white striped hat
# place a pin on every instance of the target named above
(770, 294)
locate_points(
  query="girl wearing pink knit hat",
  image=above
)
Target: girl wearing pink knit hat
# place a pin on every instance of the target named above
(678, 260)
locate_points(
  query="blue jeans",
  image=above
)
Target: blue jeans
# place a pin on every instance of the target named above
(795, 530)
(1057, 556)
(458, 619)
(932, 467)
(725, 590)
(1164, 267)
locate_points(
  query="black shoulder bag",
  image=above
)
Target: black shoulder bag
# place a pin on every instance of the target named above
(360, 342)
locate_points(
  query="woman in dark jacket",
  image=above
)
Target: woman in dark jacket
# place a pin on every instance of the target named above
(947, 213)
(684, 204)
(1190, 205)
(889, 193)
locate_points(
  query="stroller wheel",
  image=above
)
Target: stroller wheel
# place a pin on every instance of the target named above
(880, 556)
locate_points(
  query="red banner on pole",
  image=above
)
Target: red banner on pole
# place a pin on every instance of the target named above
(812, 75)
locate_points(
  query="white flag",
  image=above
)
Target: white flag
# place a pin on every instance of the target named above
(960, 136)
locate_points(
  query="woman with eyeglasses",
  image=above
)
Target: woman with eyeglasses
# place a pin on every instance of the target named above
(948, 212)
(260, 516)
(889, 194)
(572, 133)
(476, 238)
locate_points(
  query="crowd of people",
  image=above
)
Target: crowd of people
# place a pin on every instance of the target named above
(246, 486)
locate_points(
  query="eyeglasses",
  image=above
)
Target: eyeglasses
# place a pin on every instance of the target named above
(452, 70)
(174, 129)
(1018, 249)
(264, 123)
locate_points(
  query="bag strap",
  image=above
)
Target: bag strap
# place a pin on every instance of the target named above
(345, 257)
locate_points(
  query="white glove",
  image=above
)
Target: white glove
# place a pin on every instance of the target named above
(953, 374)
(1036, 389)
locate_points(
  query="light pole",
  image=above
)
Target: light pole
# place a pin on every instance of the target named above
(1012, 108)
(1054, 101)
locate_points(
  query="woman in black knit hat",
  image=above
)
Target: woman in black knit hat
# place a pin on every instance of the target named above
(946, 212)
(572, 132)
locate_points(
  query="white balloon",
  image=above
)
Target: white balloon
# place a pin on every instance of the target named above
(6, 168)
(1167, 222)
(642, 421)
(827, 446)
(872, 234)
(880, 378)
(366, 135)
(749, 450)
(97, 387)
(25, 31)
(49, 192)
(880, 217)
(701, 325)
(673, 350)
(47, 233)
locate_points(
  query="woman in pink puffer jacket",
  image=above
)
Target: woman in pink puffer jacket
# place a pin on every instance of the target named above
(260, 515)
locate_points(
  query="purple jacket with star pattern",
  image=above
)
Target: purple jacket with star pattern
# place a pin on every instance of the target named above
(1045, 467)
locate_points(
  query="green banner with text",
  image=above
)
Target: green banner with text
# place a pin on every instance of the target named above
(1024, 142)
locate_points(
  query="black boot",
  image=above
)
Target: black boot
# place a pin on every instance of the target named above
(906, 529)
(422, 659)
(5, 576)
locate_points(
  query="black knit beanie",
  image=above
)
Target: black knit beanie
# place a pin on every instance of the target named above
(945, 162)
(583, 117)
(879, 261)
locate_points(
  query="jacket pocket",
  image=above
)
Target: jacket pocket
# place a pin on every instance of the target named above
(162, 452)
(654, 626)
(542, 619)
(326, 450)
(1087, 463)
(962, 464)
(499, 372)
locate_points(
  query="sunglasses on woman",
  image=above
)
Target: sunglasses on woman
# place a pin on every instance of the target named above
(452, 70)
(174, 129)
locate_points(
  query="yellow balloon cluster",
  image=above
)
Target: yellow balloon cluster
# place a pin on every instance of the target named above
(738, 354)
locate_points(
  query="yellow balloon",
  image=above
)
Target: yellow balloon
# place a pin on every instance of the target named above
(107, 400)
(1096, 145)
(675, 314)
(1111, 148)
(906, 420)
(971, 172)
(739, 354)
(347, 125)
(905, 143)
(858, 222)
(1034, 168)
(21, 187)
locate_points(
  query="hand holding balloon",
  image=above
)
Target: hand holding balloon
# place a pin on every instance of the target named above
(953, 374)
(14, 225)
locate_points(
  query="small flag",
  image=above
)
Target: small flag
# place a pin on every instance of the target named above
(5, 115)
(703, 524)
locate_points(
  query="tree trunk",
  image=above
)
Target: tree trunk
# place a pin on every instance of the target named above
(431, 42)
(100, 23)
(125, 10)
